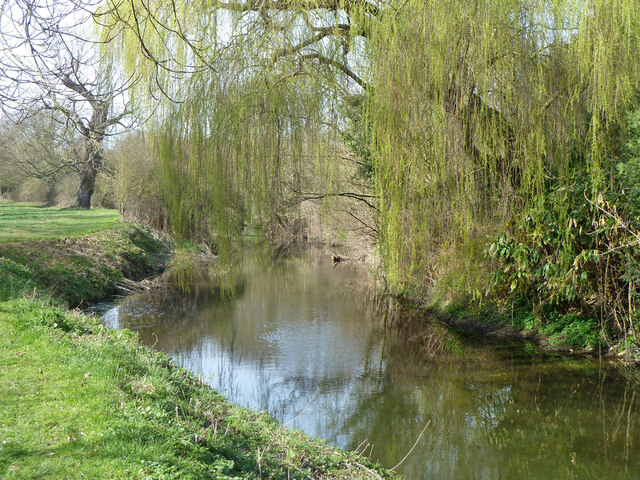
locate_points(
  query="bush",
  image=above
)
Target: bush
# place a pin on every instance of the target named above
(580, 251)
(573, 329)
(136, 182)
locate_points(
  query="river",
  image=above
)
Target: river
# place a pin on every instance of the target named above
(308, 342)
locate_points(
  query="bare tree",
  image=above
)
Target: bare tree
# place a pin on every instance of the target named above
(9, 173)
(49, 64)
(39, 148)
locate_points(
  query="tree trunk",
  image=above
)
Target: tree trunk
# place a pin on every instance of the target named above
(50, 194)
(85, 190)
(93, 162)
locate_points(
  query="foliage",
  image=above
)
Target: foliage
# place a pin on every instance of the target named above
(34, 155)
(137, 182)
(571, 251)
(253, 134)
(9, 174)
(573, 330)
(627, 172)
(476, 104)
(481, 120)
(494, 120)
(357, 133)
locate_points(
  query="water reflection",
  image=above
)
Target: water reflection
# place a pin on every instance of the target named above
(306, 343)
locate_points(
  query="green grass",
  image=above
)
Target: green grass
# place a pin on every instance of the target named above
(81, 270)
(21, 222)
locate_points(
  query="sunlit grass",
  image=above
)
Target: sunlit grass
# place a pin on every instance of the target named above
(83, 269)
(23, 222)
(79, 401)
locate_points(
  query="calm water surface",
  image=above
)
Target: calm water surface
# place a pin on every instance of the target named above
(306, 342)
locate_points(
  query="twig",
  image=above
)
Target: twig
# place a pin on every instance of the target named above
(414, 446)
(368, 470)
(361, 443)
(355, 196)
(302, 411)
(616, 217)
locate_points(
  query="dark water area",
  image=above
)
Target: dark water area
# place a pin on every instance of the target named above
(310, 344)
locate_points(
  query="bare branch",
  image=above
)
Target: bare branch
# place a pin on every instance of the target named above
(340, 66)
(366, 199)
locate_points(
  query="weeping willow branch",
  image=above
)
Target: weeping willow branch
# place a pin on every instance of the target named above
(285, 5)
(340, 66)
(471, 109)
(371, 230)
(322, 33)
(366, 199)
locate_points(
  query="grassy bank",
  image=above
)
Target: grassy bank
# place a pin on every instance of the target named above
(83, 269)
(553, 330)
(80, 401)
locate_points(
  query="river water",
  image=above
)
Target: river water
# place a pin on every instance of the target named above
(307, 342)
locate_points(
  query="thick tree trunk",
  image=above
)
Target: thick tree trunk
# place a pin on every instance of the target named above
(85, 190)
(93, 162)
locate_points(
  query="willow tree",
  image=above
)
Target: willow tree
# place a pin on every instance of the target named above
(476, 106)
(252, 90)
(479, 108)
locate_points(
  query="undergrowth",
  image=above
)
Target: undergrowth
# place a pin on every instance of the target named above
(81, 270)
(569, 330)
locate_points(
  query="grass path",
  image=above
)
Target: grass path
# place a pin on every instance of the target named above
(21, 222)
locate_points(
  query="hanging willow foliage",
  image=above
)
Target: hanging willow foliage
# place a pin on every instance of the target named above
(230, 157)
(476, 106)
(248, 102)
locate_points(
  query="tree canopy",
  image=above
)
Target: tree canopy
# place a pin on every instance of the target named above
(484, 122)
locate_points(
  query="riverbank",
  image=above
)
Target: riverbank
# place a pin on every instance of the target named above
(561, 333)
(80, 401)
(499, 319)
(82, 270)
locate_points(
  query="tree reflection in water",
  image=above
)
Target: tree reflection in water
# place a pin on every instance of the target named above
(308, 337)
